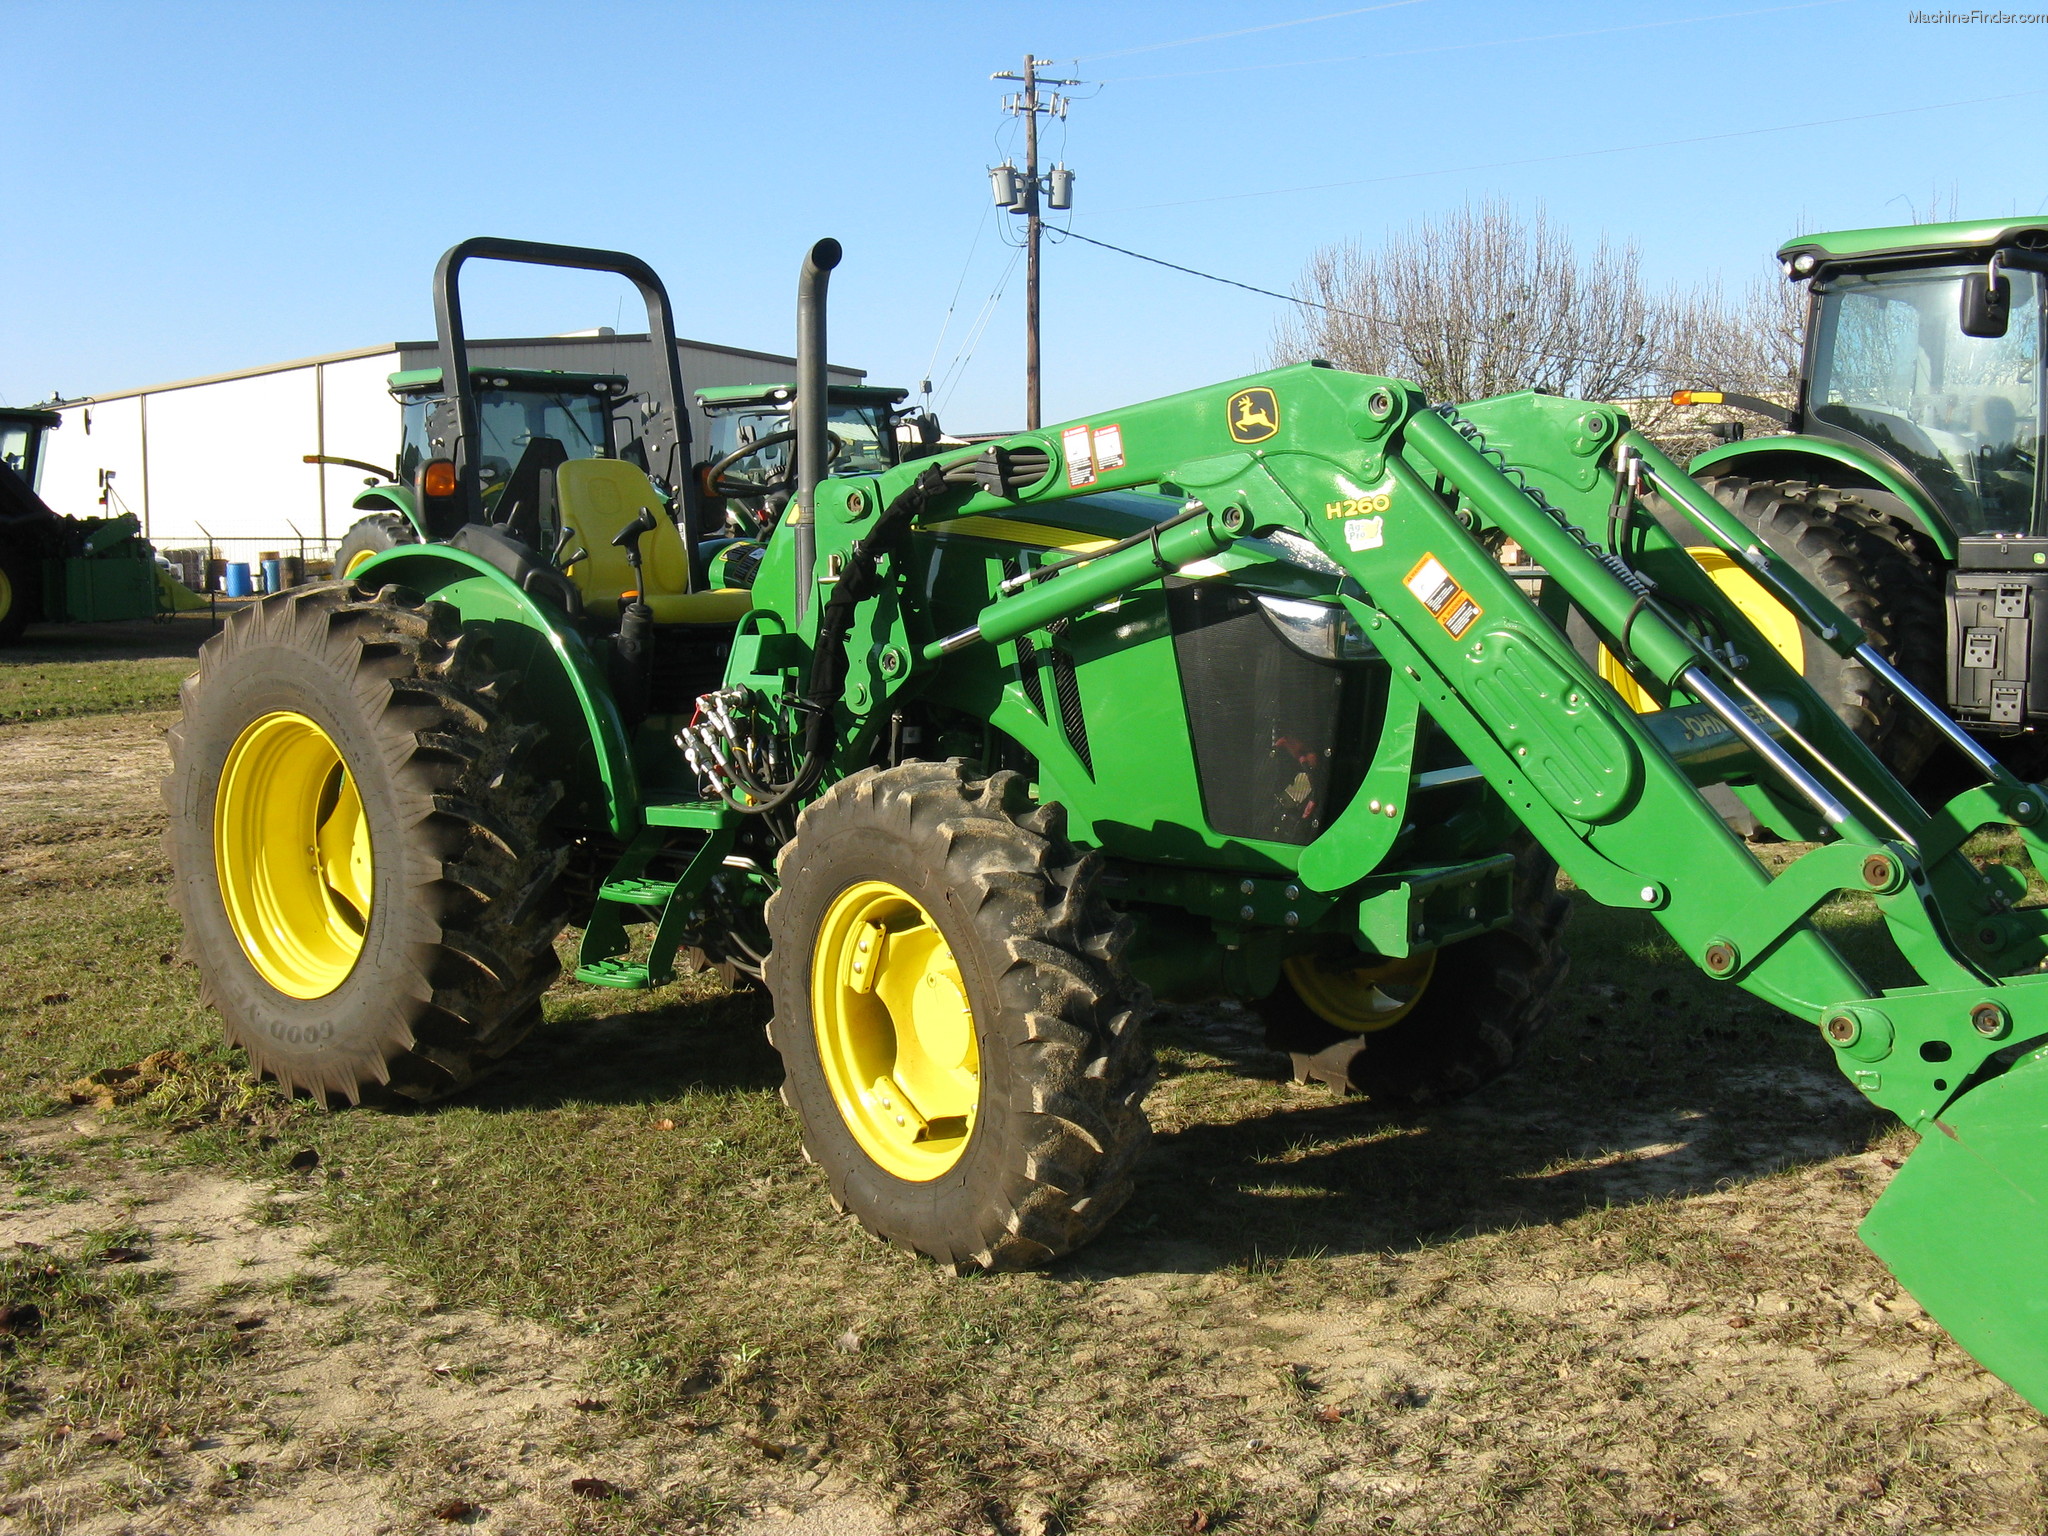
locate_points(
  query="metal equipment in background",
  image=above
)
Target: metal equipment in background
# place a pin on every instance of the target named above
(58, 569)
(1227, 693)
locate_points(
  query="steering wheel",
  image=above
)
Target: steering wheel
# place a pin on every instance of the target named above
(717, 483)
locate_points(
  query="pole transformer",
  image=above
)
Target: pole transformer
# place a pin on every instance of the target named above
(1021, 193)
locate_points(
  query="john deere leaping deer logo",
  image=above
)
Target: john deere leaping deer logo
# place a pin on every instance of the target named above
(1254, 415)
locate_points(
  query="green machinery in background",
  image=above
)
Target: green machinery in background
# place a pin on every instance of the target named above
(531, 421)
(1907, 483)
(65, 569)
(1223, 693)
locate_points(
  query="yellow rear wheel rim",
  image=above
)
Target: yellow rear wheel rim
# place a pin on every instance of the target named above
(6, 594)
(895, 1031)
(1773, 620)
(358, 560)
(291, 848)
(1357, 995)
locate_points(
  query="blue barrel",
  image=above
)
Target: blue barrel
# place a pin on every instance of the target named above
(238, 578)
(273, 575)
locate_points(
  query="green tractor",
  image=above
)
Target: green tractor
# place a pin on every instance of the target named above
(1227, 693)
(753, 436)
(67, 569)
(1907, 482)
(529, 422)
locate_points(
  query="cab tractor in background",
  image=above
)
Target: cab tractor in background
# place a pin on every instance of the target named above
(1906, 483)
(58, 569)
(751, 469)
(533, 421)
(529, 423)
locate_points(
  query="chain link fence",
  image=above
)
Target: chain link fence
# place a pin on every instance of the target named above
(248, 567)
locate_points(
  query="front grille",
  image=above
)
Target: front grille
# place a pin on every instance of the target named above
(1068, 688)
(1281, 738)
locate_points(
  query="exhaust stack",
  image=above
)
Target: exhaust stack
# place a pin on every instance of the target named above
(811, 411)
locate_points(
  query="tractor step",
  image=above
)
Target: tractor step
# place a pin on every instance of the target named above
(704, 815)
(627, 975)
(631, 898)
(637, 893)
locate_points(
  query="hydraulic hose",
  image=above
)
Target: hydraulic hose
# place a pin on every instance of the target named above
(856, 583)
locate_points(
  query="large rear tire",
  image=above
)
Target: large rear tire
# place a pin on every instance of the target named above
(961, 1040)
(1833, 540)
(17, 593)
(362, 859)
(1415, 1033)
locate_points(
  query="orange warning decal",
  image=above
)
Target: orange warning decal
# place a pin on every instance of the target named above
(1438, 591)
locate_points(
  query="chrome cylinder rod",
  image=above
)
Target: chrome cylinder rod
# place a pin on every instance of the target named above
(1959, 738)
(1759, 741)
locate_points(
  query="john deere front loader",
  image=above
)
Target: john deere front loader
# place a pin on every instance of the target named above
(1907, 482)
(1223, 693)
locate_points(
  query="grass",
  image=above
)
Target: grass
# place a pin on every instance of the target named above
(1617, 1292)
(94, 669)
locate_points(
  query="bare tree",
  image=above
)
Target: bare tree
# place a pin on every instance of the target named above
(1483, 301)
(1479, 302)
(1751, 344)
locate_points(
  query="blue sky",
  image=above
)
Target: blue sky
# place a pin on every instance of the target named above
(195, 187)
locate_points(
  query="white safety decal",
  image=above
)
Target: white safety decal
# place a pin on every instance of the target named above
(1080, 457)
(1109, 448)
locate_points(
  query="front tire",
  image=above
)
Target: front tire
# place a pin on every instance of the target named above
(361, 857)
(961, 1040)
(1419, 1032)
(369, 536)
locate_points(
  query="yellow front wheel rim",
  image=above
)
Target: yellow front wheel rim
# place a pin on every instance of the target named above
(291, 848)
(1359, 996)
(6, 594)
(895, 1031)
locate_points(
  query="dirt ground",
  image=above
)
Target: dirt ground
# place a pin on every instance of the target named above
(1576, 1305)
(355, 1404)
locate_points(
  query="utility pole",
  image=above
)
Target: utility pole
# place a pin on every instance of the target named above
(1020, 194)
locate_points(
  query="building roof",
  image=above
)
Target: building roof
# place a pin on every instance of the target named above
(580, 339)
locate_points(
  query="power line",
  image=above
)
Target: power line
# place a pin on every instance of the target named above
(1568, 359)
(1580, 154)
(957, 369)
(952, 304)
(1490, 42)
(1271, 26)
(1212, 277)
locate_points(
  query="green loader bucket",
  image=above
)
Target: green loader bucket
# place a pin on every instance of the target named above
(1964, 1225)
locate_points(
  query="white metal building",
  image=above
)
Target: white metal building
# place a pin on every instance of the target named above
(222, 458)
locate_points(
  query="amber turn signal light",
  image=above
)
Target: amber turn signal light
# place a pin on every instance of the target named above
(1696, 397)
(438, 479)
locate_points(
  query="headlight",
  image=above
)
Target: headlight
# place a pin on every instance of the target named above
(1322, 630)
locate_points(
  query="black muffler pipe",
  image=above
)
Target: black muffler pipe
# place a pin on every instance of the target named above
(811, 409)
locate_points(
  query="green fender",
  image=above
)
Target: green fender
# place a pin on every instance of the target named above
(602, 785)
(390, 498)
(1921, 507)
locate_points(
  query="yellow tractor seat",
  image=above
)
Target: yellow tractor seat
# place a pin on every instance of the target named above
(596, 498)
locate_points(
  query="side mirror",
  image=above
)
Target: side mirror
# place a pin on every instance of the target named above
(1987, 302)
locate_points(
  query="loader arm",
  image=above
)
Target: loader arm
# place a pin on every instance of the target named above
(1412, 503)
